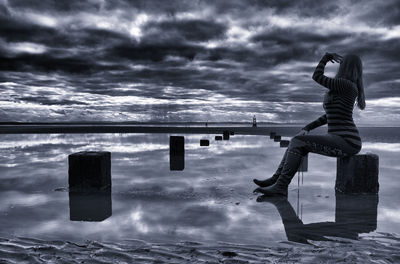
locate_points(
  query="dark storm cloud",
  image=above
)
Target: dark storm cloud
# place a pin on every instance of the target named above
(161, 52)
(187, 30)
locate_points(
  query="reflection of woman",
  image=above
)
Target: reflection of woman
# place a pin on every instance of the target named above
(342, 138)
(353, 215)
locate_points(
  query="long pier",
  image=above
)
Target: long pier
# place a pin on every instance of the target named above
(74, 129)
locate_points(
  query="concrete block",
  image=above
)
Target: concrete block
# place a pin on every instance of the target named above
(89, 169)
(277, 138)
(204, 142)
(176, 153)
(284, 143)
(218, 137)
(272, 135)
(232, 133)
(357, 174)
(226, 135)
(304, 164)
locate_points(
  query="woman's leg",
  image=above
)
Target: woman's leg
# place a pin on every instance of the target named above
(328, 145)
(275, 176)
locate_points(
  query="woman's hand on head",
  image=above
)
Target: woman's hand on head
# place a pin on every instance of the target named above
(334, 57)
(302, 132)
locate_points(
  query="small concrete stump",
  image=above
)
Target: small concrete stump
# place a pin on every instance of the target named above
(304, 164)
(284, 143)
(89, 169)
(232, 133)
(218, 137)
(357, 174)
(277, 138)
(176, 153)
(204, 142)
(226, 135)
(272, 135)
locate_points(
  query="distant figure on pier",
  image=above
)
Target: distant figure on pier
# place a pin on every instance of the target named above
(342, 139)
(254, 121)
(207, 123)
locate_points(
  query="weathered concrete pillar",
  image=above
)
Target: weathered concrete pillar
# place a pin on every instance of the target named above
(304, 164)
(272, 135)
(204, 142)
(358, 174)
(89, 169)
(284, 143)
(226, 135)
(218, 137)
(232, 133)
(176, 152)
(277, 138)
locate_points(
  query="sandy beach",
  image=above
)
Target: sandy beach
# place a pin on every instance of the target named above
(382, 248)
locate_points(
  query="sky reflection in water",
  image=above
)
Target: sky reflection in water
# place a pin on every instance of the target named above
(210, 200)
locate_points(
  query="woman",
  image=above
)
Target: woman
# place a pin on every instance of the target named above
(342, 138)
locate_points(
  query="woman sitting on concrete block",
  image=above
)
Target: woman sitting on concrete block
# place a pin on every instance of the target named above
(342, 138)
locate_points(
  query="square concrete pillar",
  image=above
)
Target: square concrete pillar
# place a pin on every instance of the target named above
(204, 142)
(176, 153)
(304, 164)
(89, 169)
(272, 135)
(277, 138)
(284, 143)
(357, 174)
(226, 135)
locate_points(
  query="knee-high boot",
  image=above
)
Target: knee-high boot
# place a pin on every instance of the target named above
(271, 180)
(280, 187)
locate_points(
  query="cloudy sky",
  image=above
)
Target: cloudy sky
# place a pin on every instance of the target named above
(191, 60)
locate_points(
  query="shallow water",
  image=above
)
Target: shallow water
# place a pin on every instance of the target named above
(210, 201)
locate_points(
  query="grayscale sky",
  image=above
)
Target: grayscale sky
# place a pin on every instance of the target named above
(191, 60)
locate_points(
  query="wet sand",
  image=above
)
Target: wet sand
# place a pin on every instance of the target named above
(381, 248)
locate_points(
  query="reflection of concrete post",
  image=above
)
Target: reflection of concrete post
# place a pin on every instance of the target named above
(357, 174)
(91, 206)
(176, 153)
(357, 211)
(89, 169)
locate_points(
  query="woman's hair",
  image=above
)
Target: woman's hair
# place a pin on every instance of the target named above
(351, 69)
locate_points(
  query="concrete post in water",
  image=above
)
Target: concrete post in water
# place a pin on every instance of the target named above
(277, 138)
(284, 143)
(357, 174)
(204, 142)
(89, 169)
(226, 135)
(272, 135)
(304, 164)
(232, 133)
(218, 137)
(176, 152)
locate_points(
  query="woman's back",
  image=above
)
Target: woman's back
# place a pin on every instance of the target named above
(338, 104)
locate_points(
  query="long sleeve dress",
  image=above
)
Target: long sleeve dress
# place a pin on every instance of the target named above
(338, 105)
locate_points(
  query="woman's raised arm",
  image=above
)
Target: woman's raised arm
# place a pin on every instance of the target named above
(337, 84)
